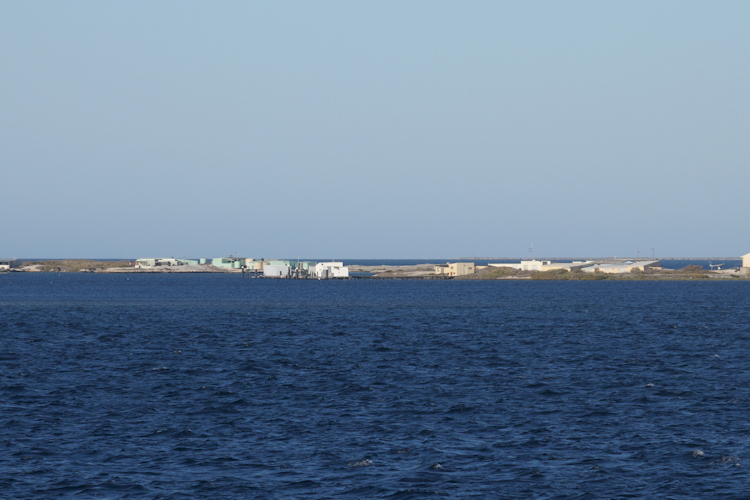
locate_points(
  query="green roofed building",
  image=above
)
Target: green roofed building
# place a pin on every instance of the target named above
(279, 263)
(228, 262)
(304, 265)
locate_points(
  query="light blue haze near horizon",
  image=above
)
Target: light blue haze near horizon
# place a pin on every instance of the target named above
(374, 129)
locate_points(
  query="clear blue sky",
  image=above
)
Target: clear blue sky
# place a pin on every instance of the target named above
(374, 129)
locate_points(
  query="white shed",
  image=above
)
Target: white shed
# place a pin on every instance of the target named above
(276, 271)
(330, 270)
(7, 264)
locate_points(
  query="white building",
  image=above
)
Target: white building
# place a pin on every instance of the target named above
(7, 264)
(589, 266)
(569, 266)
(455, 269)
(277, 271)
(621, 267)
(537, 265)
(325, 270)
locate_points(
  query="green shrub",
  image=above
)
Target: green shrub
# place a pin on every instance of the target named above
(691, 269)
(75, 265)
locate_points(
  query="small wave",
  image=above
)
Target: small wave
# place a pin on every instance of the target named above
(417, 493)
(361, 463)
(601, 413)
(307, 484)
(460, 408)
(727, 459)
(550, 392)
(721, 459)
(14, 388)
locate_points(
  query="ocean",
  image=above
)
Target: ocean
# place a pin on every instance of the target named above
(176, 386)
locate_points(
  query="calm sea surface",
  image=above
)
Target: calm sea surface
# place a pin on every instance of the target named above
(211, 386)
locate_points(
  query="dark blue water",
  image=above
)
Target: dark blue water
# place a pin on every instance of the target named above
(210, 386)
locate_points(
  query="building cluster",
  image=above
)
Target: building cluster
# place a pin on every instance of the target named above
(302, 270)
(588, 266)
(330, 270)
(261, 268)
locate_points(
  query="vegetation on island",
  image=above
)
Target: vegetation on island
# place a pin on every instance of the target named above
(75, 265)
(494, 273)
(686, 273)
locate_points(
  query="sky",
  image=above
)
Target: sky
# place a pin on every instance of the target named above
(382, 129)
